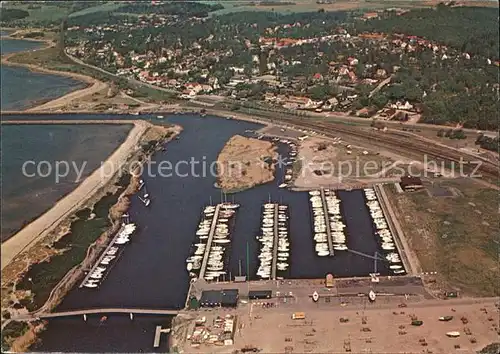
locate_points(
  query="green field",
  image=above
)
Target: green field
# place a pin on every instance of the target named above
(110, 6)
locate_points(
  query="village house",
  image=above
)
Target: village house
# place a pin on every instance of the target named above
(403, 106)
(298, 102)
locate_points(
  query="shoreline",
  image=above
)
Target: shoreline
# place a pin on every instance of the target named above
(142, 131)
(48, 221)
(92, 85)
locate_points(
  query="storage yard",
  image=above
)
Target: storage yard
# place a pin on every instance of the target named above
(403, 315)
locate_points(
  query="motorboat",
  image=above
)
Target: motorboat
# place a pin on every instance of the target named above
(283, 185)
(224, 240)
(399, 271)
(230, 206)
(189, 266)
(371, 295)
(90, 285)
(395, 266)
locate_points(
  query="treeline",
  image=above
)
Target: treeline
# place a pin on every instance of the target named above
(487, 142)
(470, 29)
(184, 8)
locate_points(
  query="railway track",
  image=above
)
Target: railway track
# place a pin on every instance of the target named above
(452, 157)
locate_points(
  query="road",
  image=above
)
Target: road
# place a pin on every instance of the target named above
(107, 73)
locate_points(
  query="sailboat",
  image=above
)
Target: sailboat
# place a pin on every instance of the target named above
(146, 201)
(146, 194)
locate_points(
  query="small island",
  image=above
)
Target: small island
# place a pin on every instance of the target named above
(244, 163)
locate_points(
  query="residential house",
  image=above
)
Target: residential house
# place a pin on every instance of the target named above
(298, 102)
(404, 106)
(352, 61)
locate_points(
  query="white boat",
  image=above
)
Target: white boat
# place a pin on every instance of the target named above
(90, 285)
(371, 295)
(189, 266)
(282, 185)
(223, 240)
(315, 296)
(395, 266)
(399, 271)
(146, 201)
(159, 117)
(230, 206)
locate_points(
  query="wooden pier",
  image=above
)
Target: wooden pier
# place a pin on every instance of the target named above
(159, 330)
(209, 241)
(275, 243)
(327, 222)
(101, 257)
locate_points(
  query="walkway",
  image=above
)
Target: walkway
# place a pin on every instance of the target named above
(209, 242)
(34, 316)
(327, 223)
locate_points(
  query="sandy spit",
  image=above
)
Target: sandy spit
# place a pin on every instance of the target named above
(44, 224)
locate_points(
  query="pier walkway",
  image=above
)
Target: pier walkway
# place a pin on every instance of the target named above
(101, 257)
(275, 243)
(327, 223)
(395, 229)
(209, 241)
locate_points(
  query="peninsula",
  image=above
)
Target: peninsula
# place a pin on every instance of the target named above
(244, 163)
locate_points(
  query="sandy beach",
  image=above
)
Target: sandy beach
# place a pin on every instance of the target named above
(44, 224)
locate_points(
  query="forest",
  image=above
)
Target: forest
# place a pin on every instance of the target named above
(470, 29)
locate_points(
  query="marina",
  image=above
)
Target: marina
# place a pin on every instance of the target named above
(101, 268)
(383, 233)
(179, 202)
(321, 224)
(214, 228)
(274, 253)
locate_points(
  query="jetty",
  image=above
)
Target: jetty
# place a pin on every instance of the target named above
(327, 223)
(101, 257)
(209, 241)
(159, 330)
(275, 243)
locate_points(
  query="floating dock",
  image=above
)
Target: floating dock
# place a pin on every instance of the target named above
(327, 222)
(275, 243)
(209, 241)
(101, 257)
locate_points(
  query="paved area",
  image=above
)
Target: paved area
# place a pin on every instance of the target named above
(377, 327)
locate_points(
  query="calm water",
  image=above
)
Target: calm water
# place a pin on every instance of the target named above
(25, 197)
(22, 88)
(151, 272)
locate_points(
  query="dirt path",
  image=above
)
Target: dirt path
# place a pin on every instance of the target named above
(70, 203)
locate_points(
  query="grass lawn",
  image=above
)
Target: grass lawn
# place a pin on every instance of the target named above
(455, 236)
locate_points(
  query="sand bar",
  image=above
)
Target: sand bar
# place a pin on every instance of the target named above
(44, 224)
